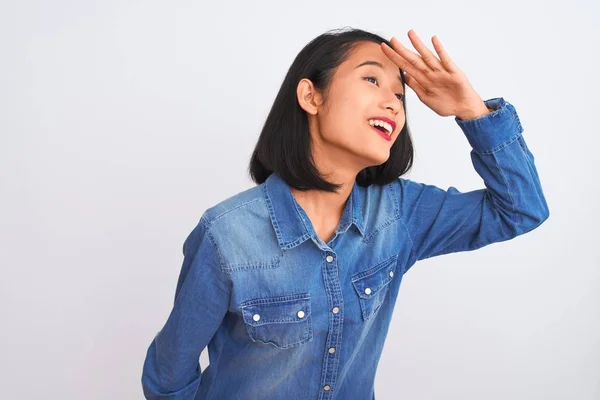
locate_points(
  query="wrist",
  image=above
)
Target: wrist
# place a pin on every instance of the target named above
(474, 111)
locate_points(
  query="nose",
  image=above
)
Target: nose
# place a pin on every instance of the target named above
(392, 102)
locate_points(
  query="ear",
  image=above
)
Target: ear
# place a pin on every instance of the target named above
(308, 96)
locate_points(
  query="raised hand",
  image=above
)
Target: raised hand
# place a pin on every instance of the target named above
(438, 83)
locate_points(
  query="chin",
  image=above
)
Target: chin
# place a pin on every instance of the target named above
(377, 159)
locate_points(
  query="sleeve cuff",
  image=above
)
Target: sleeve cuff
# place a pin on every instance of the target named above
(492, 131)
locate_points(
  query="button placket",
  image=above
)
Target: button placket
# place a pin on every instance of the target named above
(331, 360)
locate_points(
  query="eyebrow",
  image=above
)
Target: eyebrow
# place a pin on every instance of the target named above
(375, 63)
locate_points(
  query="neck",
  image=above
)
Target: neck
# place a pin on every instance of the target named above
(326, 207)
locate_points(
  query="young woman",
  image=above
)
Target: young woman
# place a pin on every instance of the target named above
(291, 284)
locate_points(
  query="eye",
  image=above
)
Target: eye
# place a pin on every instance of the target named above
(400, 96)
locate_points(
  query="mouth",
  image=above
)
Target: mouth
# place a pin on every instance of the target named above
(382, 132)
(383, 125)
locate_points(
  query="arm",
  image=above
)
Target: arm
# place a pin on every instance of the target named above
(171, 368)
(440, 222)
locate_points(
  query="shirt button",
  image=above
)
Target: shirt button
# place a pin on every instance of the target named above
(300, 314)
(256, 317)
(331, 350)
(391, 274)
(335, 310)
(368, 290)
(326, 387)
(329, 258)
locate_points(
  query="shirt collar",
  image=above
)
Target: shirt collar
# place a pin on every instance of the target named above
(290, 221)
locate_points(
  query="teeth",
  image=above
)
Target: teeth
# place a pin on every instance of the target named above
(383, 124)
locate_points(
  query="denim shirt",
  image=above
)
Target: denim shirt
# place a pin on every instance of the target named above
(286, 315)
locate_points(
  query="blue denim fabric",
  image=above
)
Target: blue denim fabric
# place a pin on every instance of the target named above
(287, 316)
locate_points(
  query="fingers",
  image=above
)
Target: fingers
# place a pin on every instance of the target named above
(419, 67)
(416, 86)
(425, 61)
(412, 57)
(444, 57)
(399, 57)
(426, 55)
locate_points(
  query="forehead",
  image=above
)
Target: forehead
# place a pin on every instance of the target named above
(369, 51)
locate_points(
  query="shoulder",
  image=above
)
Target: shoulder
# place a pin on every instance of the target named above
(401, 196)
(240, 229)
(237, 207)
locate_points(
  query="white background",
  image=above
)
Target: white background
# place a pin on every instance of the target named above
(122, 121)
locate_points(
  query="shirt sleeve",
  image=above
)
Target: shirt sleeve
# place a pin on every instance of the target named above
(512, 203)
(171, 369)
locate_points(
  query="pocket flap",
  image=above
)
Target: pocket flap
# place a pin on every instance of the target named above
(274, 310)
(368, 283)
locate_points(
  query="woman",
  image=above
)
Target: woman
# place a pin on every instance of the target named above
(291, 284)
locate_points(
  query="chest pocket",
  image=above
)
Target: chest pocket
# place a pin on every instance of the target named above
(282, 321)
(372, 286)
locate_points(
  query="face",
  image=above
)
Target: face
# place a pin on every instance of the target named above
(361, 93)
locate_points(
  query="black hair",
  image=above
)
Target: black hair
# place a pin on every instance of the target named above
(284, 144)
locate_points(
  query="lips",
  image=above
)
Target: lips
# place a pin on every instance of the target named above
(388, 120)
(383, 135)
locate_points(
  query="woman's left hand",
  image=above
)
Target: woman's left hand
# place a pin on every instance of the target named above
(438, 83)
